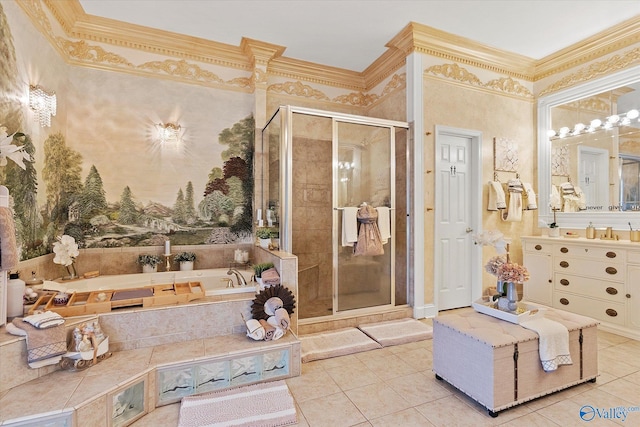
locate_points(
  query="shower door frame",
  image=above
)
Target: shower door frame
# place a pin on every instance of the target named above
(286, 190)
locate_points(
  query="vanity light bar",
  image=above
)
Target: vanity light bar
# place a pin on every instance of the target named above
(615, 120)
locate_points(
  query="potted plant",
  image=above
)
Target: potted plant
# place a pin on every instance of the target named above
(264, 234)
(258, 269)
(186, 260)
(149, 262)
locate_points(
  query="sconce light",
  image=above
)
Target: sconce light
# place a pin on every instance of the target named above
(168, 132)
(613, 121)
(43, 103)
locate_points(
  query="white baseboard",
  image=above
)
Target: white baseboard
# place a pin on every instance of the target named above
(425, 311)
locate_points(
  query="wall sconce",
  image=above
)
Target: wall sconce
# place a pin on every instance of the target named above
(168, 132)
(43, 103)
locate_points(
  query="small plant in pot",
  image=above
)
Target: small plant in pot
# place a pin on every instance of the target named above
(264, 234)
(149, 263)
(258, 269)
(186, 260)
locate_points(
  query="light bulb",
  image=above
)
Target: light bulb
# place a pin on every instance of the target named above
(551, 133)
(633, 114)
(613, 119)
(564, 130)
(579, 127)
(596, 123)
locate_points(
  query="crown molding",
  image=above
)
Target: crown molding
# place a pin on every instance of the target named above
(433, 42)
(606, 42)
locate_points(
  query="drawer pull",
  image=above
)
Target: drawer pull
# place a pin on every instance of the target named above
(628, 295)
(564, 264)
(611, 254)
(564, 250)
(538, 247)
(612, 291)
(611, 312)
(564, 301)
(611, 270)
(564, 282)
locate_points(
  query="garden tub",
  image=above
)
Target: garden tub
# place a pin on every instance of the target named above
(214, 281)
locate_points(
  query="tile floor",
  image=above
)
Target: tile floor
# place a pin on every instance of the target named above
(394, 386)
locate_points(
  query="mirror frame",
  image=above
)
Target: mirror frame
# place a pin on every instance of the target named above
(617, 220)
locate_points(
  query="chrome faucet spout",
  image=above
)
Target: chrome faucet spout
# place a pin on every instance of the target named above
(239, 276)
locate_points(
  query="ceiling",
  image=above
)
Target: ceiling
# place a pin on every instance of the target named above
(352, 34)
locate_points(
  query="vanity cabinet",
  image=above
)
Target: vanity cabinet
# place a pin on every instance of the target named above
(592, 277)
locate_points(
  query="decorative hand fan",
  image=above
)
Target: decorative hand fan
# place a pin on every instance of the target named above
(277, 291)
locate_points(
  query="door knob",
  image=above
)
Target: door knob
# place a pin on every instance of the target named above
(469, 230)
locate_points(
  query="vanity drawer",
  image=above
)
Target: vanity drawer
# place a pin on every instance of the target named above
(538, 247)
(588, 286)
(590, 268)
(600, 254)
(605, 311)
(633, 257)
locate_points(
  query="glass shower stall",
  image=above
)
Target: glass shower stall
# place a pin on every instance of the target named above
(316, 167)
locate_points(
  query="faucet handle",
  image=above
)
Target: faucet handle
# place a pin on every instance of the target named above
(229, 282)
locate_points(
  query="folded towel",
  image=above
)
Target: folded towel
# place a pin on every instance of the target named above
(349, 226)
(43, 343)
(270, 277)
(271, 305)
(255, 330)
(8, 246)
(496, 196)
(532, 204)
(268, 330)
(13, 330)
(553, 342)
(282, 317)
(384, 223)
(45, 320)
(278, 333)
(514, 213)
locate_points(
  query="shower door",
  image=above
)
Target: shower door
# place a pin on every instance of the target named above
(363, 168)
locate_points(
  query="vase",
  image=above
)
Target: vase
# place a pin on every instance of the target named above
(186, 265)
(554, 232)
(512, 296)
(146, 268)
(264, 243)
(71, 269)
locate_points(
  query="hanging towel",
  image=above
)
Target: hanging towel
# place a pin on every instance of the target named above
(349, 226)
(514, 213)
(43, 343)
(553, 342)
(384, 223)
(582, 198)
(369, 242)
(555, 201)
(8, 246)
(497, 199)
(532, 204)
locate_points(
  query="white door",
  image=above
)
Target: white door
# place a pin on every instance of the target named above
(594, 176)
(456, 215)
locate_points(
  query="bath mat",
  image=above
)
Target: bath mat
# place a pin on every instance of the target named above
(265, 404)
(323, 345)
(395, 332)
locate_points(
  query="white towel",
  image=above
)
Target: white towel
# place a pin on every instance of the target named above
(384, 223)
(553, 342)
(532, 204)
(349, 226)
(555, 201)
(582, 198)
(496, 197)
(45, 320)
(514, 213)
(255, 330)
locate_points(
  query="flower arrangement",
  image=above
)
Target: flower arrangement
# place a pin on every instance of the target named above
(493, 265)
(66, 250)
(185, 256)
(512, 272)
(151, 260)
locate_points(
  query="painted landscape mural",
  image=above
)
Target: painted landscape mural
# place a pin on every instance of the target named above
(100, 175)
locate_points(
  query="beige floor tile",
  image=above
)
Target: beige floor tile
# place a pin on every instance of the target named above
(374, 354)
(353, 376)
(377, 400)
(623, 389)
(338, 361)
(604, 378)
(407, 417)
(424, 344)
(606, 339)
(334, 410)
(181, 351)
(312, 386)
(418, 388)
(302, 421)
(609, 361)
(390, 367)
(634, 378)
(565, 413)
(452, 412)
(532, 419)
(420, 359)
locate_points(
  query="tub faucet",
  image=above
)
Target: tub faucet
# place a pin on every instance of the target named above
(239, 276)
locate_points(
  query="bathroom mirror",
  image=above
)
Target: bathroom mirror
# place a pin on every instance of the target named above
(603, 163)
